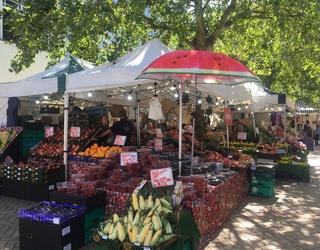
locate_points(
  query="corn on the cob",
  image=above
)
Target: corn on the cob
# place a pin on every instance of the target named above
(165, 203)
(135, 202)
(155, 238)
(143, 233)
(107, 227)
(158, 205)
(125, 219)
(129, 230)
(113, 235)
(148, 218)
(115, 218)
(120, 232)
(148, 238)
(150, 201)
(136, 219)
(112, 228)
(167, 226)
(159, 220)
(134, 234)
(166, 210)
(155, 222)
(142, 203)
(130, 215)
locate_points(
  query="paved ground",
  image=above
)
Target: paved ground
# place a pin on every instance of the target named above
(289, 220)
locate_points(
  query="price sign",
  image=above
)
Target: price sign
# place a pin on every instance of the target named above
(120, 140)
(195, 160)
(128, 157)
(75, 131)
(158, 132)
(242, 136)
(158, 144)
(49, 132)
(189, 128)
(161, 177)
(227, 116)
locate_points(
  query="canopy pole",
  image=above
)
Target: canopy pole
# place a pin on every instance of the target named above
(138, 120)
(227, 127)
(193, 123)
(65, 133)
(253, 118)
(180, 127)
(295, 121)
(284, 123)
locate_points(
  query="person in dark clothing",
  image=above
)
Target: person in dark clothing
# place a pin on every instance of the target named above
(307, 129)
(123, 127)
(12, 112)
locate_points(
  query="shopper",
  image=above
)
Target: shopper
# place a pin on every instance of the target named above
(307, 129)
(123, 127)
(317, 134)
(103, 137)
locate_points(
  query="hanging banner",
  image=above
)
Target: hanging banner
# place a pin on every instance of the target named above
(227, 116)
(75, 131)
(128, 157)
(161, 177)
(158, 132)
(120, 140)
(49, 132)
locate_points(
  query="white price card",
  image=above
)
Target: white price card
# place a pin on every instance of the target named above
(242, 136)
(161, 177)
(120, 140)
(75, 131)
(158, 132)
(49, 132)
(158, 144)
(128, 157)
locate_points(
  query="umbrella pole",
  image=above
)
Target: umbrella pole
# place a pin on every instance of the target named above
(193, 124)
(295, 121)
(65, 134)
(285, 124)
(180, 127)
(138, 120)
(253, 118)
(227, 127)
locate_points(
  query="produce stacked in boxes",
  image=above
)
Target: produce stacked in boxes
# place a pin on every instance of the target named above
(147, 221)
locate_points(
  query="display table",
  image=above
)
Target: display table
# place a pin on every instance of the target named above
(217, 204)
(290, 171)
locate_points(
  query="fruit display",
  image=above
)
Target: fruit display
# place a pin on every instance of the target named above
(147, 221)
(100, 152)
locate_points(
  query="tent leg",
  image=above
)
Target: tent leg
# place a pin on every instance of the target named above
(65, 133)
(227, 127)
(193, 124)
(285, 124)
(180, 127)
(138, 120)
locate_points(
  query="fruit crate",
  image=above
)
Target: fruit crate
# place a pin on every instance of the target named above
(263, 183)
(257, 175)
(262, 191)
(95, 216)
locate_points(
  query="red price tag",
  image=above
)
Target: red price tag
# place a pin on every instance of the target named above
(161, 177)
(49, 132)
(128, 157)
(120, 140)
(158, 144)
(228, 116)
(75, 131)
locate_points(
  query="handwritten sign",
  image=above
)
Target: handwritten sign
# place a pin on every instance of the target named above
(242, 136)
(128, 157)
(158, 132)
(161, 177)
(49, 132)
(195, 160)
(189, 129)
(120, 140)
(227, 116)
(75, 131)
(158, 144)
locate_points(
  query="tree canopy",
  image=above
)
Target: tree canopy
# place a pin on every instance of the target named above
(277, 39)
